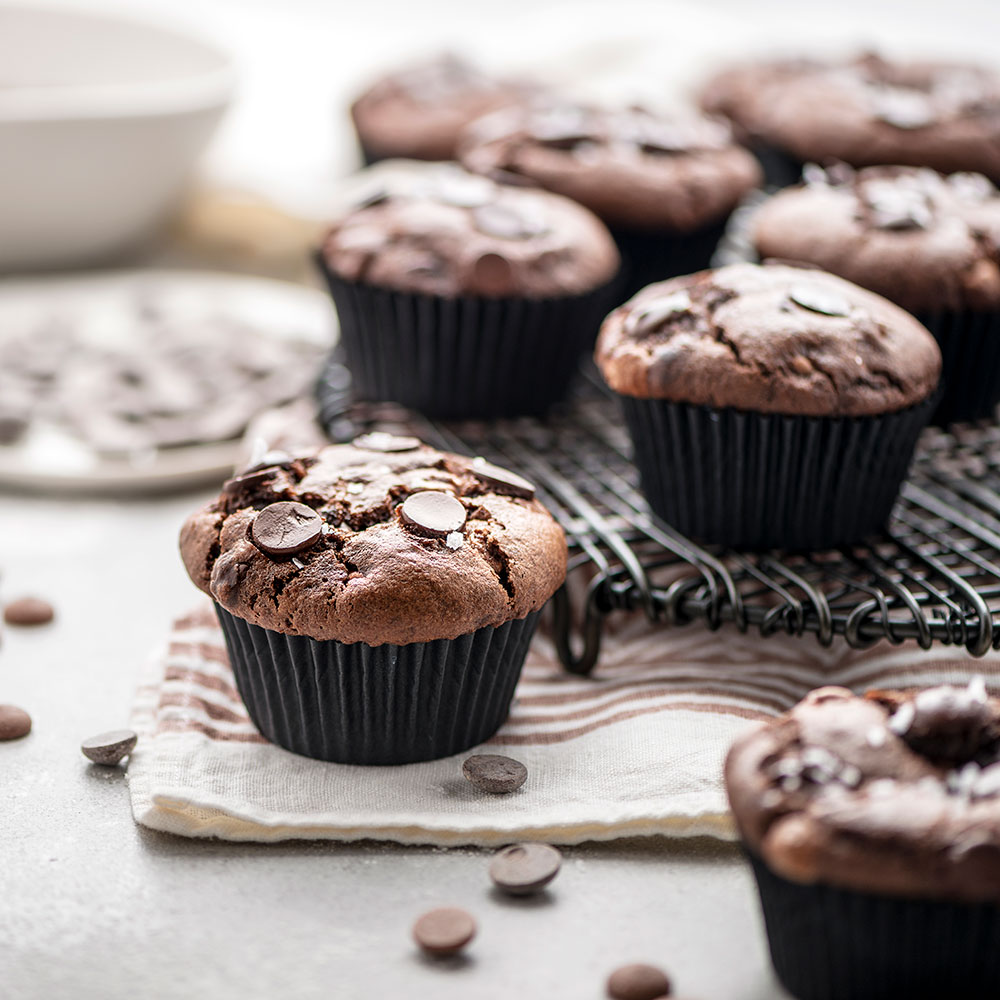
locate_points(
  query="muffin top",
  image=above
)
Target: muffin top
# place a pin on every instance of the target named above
(382, 541)
(769, 339)
(436, 229)
(419, 110)
(632, 167)
(921, 239)
(867, 110)
(894, 793)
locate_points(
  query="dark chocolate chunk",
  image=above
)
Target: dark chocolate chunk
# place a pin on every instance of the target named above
(506, 223)
(247, 482)
(523, 869)
(657, 312)
(904, 109)
(14, 723)
(947, 724)
(493, 275)
(818, 299)
(28, 611)
(502, 480)
(445, 931)
(111, 747)
(433, 513)
(390, 443)
(286, 527)
(494, 773)
(638, 982)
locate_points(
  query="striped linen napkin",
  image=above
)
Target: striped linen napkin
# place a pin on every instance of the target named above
(635, 750)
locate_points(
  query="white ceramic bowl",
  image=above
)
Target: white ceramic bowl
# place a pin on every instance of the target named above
(101, 119)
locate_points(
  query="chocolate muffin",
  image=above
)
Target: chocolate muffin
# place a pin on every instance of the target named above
(770, 405)
(378, 598)
(863, 111)
(463, 298)
(664, 184)
(873, 827)
(417, 112)
(927, 242)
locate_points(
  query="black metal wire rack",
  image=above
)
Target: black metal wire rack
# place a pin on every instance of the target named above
(934, 576)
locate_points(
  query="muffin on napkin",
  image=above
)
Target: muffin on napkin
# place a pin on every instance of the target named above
(377, 598)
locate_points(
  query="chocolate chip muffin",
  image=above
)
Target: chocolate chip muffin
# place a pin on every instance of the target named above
(863, 111)
(463, 298)
(770, 405)
(926, 241)
(664, 184)
(873, 826)
(417, 111)
(377, 598)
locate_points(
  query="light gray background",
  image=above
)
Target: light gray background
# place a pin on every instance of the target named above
(93, 908)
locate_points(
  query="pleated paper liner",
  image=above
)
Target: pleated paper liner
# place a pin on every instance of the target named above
(648, 257)
(467, 357)
(359, 704)
(970, 354)
(837, 944)
(760, 481)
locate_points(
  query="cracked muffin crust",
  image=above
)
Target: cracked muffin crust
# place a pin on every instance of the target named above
(633, 167)
(434, 228)
(895, 793)
(769, 339)
(418, 111)
(922, 239)
(919, 113)
(383, 541)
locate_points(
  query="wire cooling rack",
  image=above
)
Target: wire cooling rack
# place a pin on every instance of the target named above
(934, 576)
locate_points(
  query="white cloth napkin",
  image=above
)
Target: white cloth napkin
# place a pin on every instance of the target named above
(635, 750)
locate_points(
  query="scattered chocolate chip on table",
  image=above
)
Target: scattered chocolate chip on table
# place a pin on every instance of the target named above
(14, 722)
(494, 773)
(109, 748)
(444, 931)
(638, 982)
(28, 611)
(524, 869)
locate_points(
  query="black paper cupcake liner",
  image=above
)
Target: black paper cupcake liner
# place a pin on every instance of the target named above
(649, 257)
(970, 370)
(468, 357)
(837, 944)
(359, 704)
(760, 481)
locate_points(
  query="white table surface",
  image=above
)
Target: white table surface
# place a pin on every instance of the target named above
(94, 908)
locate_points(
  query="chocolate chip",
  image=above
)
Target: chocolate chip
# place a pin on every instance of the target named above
(286, 527)
(502, 480)
(818, 299)
(947, 724)
(111, 747)
(656, 312)
(28, 611)
(493, 275)
(506, 223)
(903, 109)
(14, 722)
(464, 191)
(247, 482)
(445, 931)
(433, 513)
(390, 443)
(523, 869)
(801, 365)
(638, 982)
(494, 773)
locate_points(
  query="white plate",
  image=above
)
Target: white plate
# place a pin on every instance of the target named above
(50, 461)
